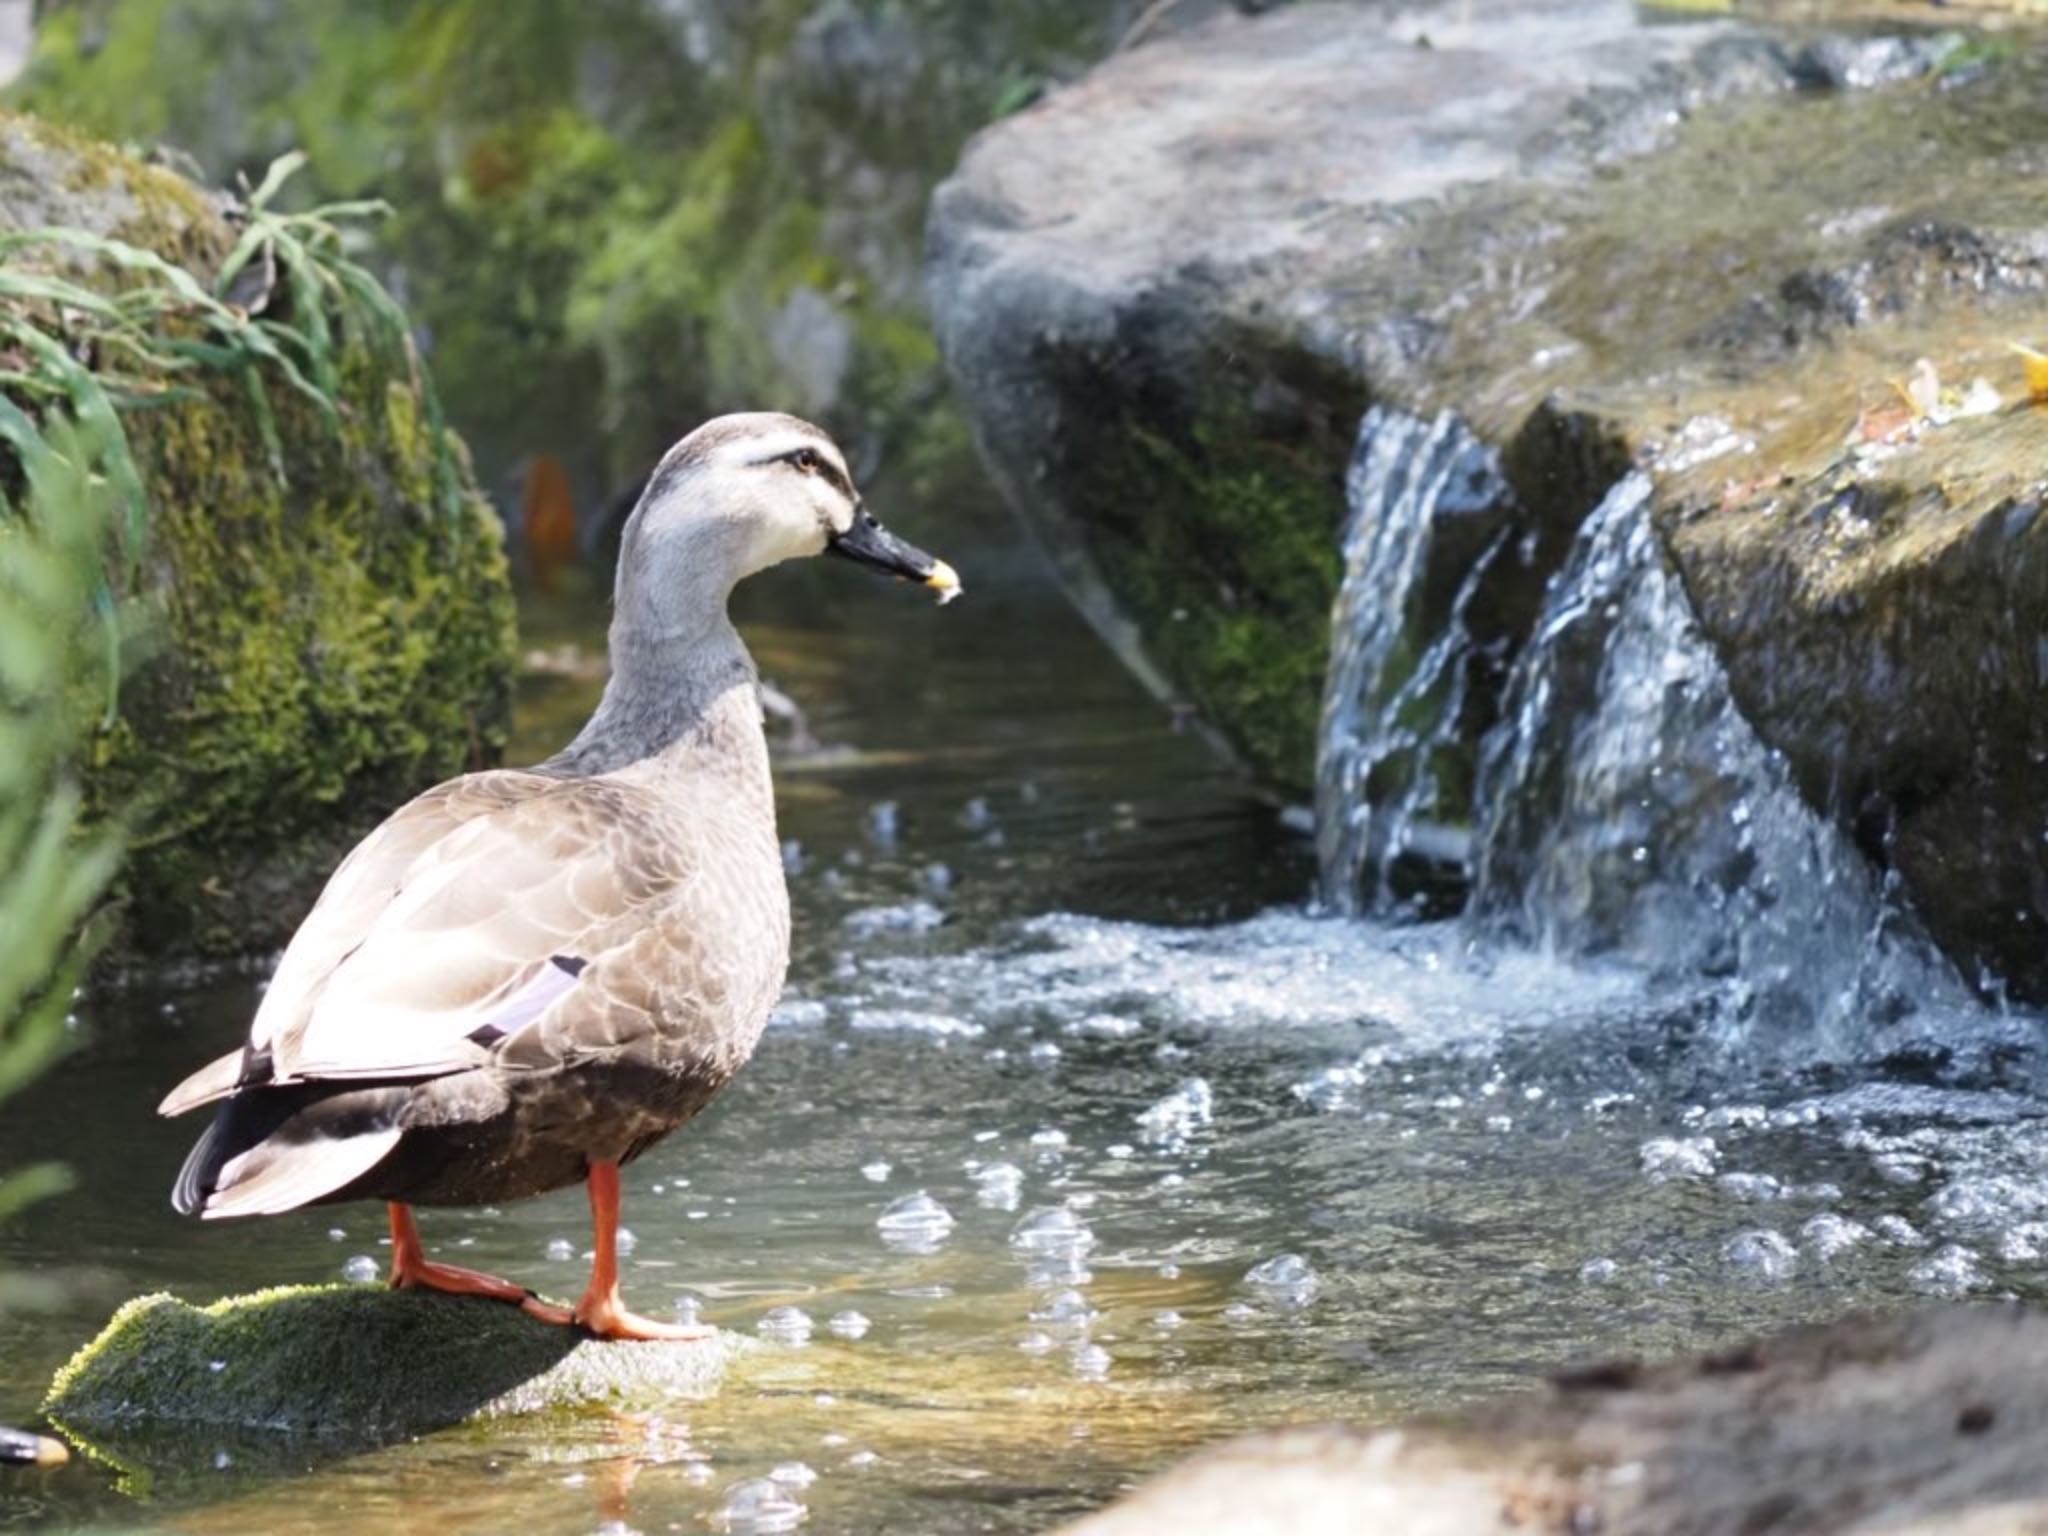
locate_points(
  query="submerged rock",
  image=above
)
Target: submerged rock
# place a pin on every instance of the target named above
(328, 627)
(1572, 244)
(355, 1363)
(1920, 1424)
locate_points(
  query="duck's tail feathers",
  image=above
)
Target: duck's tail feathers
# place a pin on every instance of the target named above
(273, 1150)
(216, 1080)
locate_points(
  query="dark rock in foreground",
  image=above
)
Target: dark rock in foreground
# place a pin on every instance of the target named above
(1921, 1424)
(354, 1363)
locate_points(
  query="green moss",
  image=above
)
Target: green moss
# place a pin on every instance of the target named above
(320, 645)
(1215, 526)
(359, 1362)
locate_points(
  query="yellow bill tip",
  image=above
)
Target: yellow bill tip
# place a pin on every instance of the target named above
(943, 581)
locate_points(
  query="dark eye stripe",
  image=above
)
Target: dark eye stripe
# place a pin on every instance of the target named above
(823, 466)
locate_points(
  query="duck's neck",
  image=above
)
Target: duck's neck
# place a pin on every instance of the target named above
(683, 692)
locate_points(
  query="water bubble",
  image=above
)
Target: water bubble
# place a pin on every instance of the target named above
(792, 1474)
(1598, 1271)
(1107, 1026)
(1168, 1271)
(1665, 1158)
(626, 1241)
(1066, 1309)
(1119, 1150)
(884, 823)
(1092, 1362)
(1167, 1320)
(1240, 1312)
(903, 917)
(335, 1234)
(1036, 1343)
(914, 1223)
(1332, 1088)
(876, 1172)
(1052, 1230)
(799, 1013)
(1049, 1143)
(360, 1269)
(1828, 1236)
(1286, 1280)
(848, 1325)
(1949, 1271)
(785, 1325)
(938, 879)
(758, 1507)
(1181, 1113)
(689, 1309)
(1897, 1232)
(1762, 1255)
(862, 1459)
(216, 1366)
(1751, 1188)
(975, 815)
(1043, 1053)
(2023, 1244)
(792, 857)
(560, 1250)
(999, 1186)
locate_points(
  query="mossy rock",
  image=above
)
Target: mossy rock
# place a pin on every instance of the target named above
(325, 633)
(355, 1363)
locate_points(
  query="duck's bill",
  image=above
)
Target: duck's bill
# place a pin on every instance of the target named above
(868, 543)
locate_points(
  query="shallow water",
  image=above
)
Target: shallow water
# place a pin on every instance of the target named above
(1060, 991)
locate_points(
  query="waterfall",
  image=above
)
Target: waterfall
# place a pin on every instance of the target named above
(1389, 809)
(1624, 805)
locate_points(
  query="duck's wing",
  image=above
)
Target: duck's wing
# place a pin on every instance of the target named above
(454, 927)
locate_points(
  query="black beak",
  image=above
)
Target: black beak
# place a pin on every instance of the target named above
(868, 543)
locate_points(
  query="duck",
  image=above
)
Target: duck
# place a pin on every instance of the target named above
(524, 978)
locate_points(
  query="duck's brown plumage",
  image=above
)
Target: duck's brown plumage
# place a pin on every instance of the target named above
(517, 973)
(523, 979)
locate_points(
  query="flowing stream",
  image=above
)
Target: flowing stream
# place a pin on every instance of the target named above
(1080, 1140)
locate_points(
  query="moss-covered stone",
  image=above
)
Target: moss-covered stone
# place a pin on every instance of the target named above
(356, 1362)
(319, 646)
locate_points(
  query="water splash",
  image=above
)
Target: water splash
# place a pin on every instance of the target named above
(1395, 693)
(1625, 806)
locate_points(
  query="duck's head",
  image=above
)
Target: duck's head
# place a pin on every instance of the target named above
(744, 492)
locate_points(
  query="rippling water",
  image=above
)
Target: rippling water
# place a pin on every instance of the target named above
(1077, 1143)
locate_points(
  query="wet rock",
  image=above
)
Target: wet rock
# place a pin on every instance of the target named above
(331, 629)
(355, 1363)
(1920, 1424)
(1713, 252)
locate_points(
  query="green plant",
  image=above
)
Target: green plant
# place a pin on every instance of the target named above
(52, 539)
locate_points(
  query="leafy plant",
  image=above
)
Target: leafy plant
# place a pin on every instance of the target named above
(52, 537)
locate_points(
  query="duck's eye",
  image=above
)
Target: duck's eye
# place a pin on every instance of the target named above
(807, 461)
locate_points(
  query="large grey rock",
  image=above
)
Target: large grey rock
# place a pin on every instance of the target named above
(1924, 1424)
(1166, 292)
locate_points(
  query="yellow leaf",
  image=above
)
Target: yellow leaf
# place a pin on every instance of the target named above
(2036, 365)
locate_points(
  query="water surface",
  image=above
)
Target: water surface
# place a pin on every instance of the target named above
(1052, 974)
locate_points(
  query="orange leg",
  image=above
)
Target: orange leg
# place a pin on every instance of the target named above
(411, 1269)
(601, 1311)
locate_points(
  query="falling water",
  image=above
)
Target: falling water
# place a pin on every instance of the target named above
(1624, 805)
(1395, 692)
